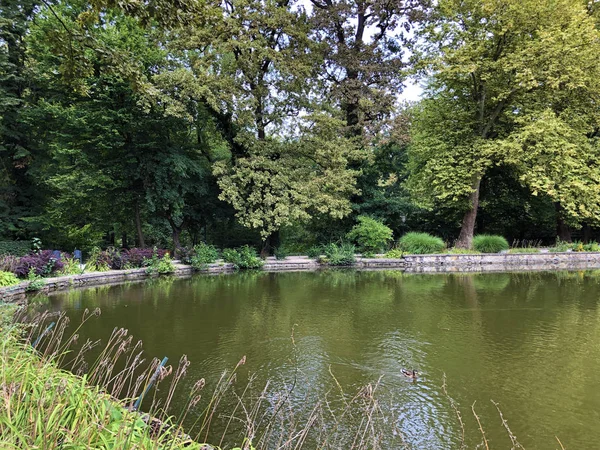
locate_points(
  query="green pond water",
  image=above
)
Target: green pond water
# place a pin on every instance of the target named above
(529, 341)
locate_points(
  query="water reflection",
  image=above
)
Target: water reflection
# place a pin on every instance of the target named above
(526, 340)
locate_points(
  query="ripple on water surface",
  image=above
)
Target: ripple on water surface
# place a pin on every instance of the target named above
(529, 341)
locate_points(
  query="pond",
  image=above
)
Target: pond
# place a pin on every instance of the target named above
(528, 341)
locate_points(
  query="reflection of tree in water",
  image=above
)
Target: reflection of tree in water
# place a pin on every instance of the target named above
(473, 327)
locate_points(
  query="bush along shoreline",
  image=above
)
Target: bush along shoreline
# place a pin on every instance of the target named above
(30, 271)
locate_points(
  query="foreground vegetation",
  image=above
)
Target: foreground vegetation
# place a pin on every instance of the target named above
(48, 407)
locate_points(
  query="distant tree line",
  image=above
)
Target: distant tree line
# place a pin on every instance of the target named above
(276, 122)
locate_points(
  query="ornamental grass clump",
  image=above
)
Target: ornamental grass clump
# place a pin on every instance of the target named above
(315, 251)
(421, 244)
(44, 406)
(518, 250)
(489, 243)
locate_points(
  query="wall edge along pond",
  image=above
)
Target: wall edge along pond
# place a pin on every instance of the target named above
(409, 263)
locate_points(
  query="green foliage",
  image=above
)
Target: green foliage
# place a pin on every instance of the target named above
(70, 267)
(8, 279)
(524, 250)
(243, 258)
(370, 234)
(591, 247)
(281, 252)
(578, 247)
(527, 101)
(394, 253)
(57, 408)
(15, 248)
(160, 266)
(420, 243)
(96, 261)
(561, 246)
(36, 282)
(36, 245)
(340, 255)
(461, 251)
(203, 255)
(486, 243)
(315, 251)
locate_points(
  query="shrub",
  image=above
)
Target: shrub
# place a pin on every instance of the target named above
(139, 257)
(243, 258)
(489, 243)
(36, 282)
(395, 253)
(561, 246)
(420, 243)
(115, 259)
(15, 248)
(370, 234)
(70, 266)
(43, 264)
(8, 279)
(315, 251)
(340, 255)
(185, 254)
(592, 247)
(8, 263)
(202, 255)
(281, 253)
(159, 265)
(98, 261)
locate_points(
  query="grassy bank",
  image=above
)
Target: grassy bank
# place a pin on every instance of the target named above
(45, 407)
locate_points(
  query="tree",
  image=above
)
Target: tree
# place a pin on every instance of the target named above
(559, 159)
(364, 46)
(254, 71)
(112, 155)
(15, 147)
(492, 62)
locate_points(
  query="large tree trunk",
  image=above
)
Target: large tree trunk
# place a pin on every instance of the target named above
(563, 232)
(124, 240)
(176, 233)
(176, 243)
(138, 226)
(587, 233)
(270, 244)
(467, 230)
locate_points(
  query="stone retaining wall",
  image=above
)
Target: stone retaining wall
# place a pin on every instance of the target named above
(502, 262)
(409, 263)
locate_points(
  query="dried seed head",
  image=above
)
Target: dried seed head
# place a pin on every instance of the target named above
(199, 385)
(242, 362)
(195, 401)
